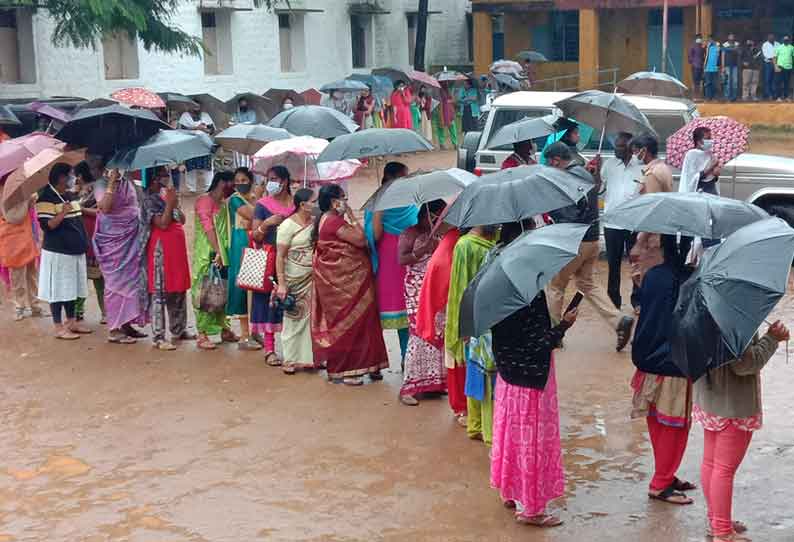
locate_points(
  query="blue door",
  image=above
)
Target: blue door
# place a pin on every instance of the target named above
(675, 41)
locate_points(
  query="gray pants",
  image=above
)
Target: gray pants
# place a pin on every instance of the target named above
(176, 305)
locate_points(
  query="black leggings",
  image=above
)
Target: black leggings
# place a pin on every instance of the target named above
(67, 306)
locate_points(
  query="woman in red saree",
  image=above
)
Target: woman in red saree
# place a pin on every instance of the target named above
(345, 322)
(401, 100)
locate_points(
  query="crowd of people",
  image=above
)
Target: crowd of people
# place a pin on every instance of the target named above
(334, 283)
(733, 70)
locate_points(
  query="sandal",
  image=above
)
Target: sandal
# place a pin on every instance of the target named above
(249, 345)
(409, 400)
(739, 527)
(542, 520)
(462, 420)
(271, 358)
(376, 376)
(624, 332)
(510, 505)
(165, 346)
(671, 496)
(120, 338)
(228, 337)
(205, 343)
(80, 330)
(683, 485)
(353, 381)
(130, 331)
(289, 370)
(66, 335)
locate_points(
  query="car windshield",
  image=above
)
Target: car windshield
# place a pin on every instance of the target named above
(665, 124)
(503, 117)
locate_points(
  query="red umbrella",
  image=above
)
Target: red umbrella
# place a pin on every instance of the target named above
(14, 152)
(139, 97)
(731, 138)
(423, 79)
(312, 96)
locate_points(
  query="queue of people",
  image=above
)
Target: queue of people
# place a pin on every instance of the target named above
(333, 284)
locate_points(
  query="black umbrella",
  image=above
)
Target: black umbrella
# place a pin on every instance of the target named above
(8, 117)
(105, 130)
(177, 102)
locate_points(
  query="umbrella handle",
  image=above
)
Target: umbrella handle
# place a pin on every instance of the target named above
(603, 133)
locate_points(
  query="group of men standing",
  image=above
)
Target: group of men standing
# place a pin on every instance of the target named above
(732, 66)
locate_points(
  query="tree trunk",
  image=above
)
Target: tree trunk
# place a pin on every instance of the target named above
(421, 36)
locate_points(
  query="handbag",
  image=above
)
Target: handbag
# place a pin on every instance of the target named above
(212, 296)
(256, 267)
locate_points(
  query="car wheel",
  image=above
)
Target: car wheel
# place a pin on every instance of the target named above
(782, 210)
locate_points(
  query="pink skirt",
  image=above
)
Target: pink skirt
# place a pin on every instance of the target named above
(526, 457)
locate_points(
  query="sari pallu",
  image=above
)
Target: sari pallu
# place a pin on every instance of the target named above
(435, 290)
(345, 327)
(119, 251)
(296, 337)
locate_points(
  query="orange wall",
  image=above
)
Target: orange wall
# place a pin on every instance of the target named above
(483, 42)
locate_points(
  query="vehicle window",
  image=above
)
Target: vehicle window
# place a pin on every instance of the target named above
(503, 117)
(665, 124)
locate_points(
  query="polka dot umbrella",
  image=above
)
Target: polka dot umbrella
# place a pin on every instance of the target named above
(139, 97)
(731, 138)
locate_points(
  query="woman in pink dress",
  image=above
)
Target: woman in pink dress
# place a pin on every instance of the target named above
(401, 100)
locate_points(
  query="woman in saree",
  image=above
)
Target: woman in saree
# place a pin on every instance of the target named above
(365, 106)
(294, 272)
(424, 362)
(240, 209)
(118, 246)
(85, 179)
(270, 212)
(383, 229)
(166, 249)
(345, 326)
(401, 100)
(207, 251)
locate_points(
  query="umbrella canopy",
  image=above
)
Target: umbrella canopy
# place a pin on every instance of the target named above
(312, 96)
(8, 117)
(33, 175)
(299, 156)
(532, 56)
(606, 112)
(315, 121)
(178, 102)
(95, 103)
(450, 77)
(393, 73)
(49, 111)
(731, 138)
(423, 78)
(517, 193)
(139, 97)
(524, 130)
(511, 279)
(277, 97)
(653, 84)
(345, 85)
(736, 286)
(688, 213)
(162, 149)
(14, 152)
(375, 142)
(420, 188)
(107, 129)
(508, 67)
(260, 104)
(382, 87)
(214, 107)
(249, 138)
(507, 80)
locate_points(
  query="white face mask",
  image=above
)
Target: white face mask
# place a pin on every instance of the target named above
(273, 187)
(708, 144)
(341, 206)
(288, 106)
(698, 40)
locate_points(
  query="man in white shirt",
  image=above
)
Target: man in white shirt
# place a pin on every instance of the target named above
(619, 175)
(769, 51)
(198, 168)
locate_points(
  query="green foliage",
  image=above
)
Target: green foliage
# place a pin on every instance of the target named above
(82, 23)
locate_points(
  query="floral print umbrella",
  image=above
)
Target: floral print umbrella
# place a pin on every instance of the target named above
(139, 97)
(731, 138)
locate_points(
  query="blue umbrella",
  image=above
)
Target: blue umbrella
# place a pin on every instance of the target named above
(162, 149)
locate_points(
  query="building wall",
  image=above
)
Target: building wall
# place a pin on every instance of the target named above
(65, 71)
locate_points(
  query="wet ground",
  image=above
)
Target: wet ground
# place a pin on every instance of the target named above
(125, 443)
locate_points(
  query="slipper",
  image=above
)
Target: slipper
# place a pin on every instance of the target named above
(354, 381)
(81, 330)
(204, 343)
(670, 495)
(165, 346)
(462, 420)
(67, 335)
(130, 331)
(683, 485)
(121, 339)
(290, 370)
(228, 337)
(409, 400)
(376, 376)
(271, 358)
(543, 520)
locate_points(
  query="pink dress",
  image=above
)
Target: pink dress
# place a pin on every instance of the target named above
(401, 103)
(526, 456)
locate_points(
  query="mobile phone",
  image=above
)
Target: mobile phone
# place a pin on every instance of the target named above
(574, 302)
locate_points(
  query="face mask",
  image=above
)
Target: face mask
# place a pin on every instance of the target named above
(341, 206)
(634, 161)
(243, 188)
(70, 182)
(243, 108)
(640, 156)
(708, 144)
(273, 187)
(698, 41)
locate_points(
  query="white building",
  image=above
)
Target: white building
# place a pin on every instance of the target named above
(310, 43)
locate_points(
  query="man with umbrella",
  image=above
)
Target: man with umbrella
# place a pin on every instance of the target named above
(585, 212)
(244, 114)
(199, 120)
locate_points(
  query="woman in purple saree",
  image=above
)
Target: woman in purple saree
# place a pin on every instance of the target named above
(118, 247)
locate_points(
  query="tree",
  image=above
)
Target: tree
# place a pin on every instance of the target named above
(421, 36)
(82, 23)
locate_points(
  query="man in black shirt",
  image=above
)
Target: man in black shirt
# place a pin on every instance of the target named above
(731, 50)
(581, 268)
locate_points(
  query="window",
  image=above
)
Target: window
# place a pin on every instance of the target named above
(498, 37)
(216, 33)
(665, 125)
(564, 36)
(120, 53)
(361, 39)
(17, 57)
(503, 117)
(291, 42)
(412, 23)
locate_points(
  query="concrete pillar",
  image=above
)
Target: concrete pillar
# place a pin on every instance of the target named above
(517, 35)
(483, 42)
(706, 19)
(589, 38)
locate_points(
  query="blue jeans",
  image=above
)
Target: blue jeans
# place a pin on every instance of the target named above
(769, 80)
(731, 87)
(783, 80)
(710, 83)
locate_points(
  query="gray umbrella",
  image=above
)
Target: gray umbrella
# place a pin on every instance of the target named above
(507, 80)
(214, 107)
(532, 56)
(688, 213)
(345, 85)
(315, 121)
(8, 117)
(420, 188)
(249, 138)
(374, 142)
(393, 73)
(512, 277)
(606, 112)
(449, 76)
(518, 193)
(259, 104)
(177, 102)
(722, 305)
(653, 84)
(524, 129)
(162, 149)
